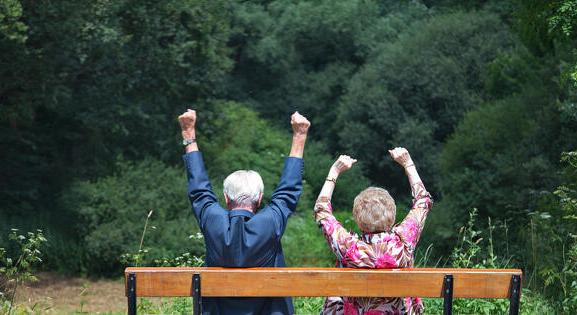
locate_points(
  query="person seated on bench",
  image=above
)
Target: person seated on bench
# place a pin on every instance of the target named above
(239, 236)
(381, 245)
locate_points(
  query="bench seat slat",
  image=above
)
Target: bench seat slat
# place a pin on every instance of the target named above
(252, 282)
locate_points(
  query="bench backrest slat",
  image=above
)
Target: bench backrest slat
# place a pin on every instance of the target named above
(253, 282)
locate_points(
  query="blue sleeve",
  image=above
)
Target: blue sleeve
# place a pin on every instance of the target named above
(288, 191)
(199, 191)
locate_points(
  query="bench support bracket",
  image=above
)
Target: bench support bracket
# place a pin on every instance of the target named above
(448, 295)
(515, 295)
(196, 298)
(131, 294)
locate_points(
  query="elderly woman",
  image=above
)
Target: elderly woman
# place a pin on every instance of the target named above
(382, 244)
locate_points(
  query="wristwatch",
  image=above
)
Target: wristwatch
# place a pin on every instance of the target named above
(186, 142)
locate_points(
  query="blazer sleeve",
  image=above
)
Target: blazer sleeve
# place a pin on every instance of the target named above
(199, 191)
(287, 193)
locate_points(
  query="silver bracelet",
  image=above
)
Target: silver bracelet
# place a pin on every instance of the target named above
(186, 142)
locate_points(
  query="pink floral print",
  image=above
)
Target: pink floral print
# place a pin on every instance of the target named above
(394, 249)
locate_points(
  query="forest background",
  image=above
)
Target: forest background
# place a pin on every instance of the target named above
(482, 93)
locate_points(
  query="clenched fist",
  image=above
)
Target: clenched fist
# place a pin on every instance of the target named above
(343, 163)
(401, 156)
(187, 120)
(300, 124)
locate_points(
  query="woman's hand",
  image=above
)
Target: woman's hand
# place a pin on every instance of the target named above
(401, 156)
(343, 163)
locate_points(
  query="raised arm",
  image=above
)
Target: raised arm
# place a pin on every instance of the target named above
(414, 222)
(342, 164)
(286, 195)
(199, 189)
(300, 126)
(344, 244)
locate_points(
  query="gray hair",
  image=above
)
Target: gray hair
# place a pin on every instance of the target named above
(243, 188)
(374, 210)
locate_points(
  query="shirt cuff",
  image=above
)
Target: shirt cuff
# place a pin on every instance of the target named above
(323, 209)
(192, 159)
(291, 164)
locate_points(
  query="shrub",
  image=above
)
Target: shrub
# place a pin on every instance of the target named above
(112, 210)
(18, 268)
(476, 250)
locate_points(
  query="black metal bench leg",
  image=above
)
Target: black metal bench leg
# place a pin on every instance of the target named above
(448, 295)
(196, 298)
(515, 295)
(131, 294)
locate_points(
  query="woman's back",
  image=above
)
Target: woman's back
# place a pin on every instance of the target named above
(374, 210)
(393, 249)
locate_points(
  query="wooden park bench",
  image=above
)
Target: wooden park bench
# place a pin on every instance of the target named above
(268, 282)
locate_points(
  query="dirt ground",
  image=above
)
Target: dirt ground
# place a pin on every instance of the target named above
(56, 294)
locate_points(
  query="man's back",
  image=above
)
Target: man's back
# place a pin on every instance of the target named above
(238, 237)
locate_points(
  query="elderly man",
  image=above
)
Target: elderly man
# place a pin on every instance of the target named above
(239, 236)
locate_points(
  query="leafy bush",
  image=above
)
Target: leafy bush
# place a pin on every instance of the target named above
(554, 242)
(18, 268)
(415, 88)
(476, 250)
(112, 211)
(304, 243)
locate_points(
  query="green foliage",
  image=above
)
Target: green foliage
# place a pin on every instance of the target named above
(100, 77)
(564, 20)
(300, 55)
(11, 27)
(263, 148)
(416, 88)
(558, 273)
(308, 305)
(502, 154)
(184, 305)
(17, 268)
(304, 243)
(500, 160)
(112, 211)
(475, 249)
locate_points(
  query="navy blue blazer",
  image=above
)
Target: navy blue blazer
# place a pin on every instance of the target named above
(240, 238)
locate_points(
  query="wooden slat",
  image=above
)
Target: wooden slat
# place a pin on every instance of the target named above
(247, 282)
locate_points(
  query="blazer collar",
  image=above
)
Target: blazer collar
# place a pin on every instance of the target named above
(240, 213)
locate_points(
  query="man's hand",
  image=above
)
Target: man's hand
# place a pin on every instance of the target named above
(300, 129)
(187, 120)
(300, 124)
(187, 123)
(401, 156)
(342, 164)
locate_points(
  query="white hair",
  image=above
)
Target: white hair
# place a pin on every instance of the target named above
(243, 188)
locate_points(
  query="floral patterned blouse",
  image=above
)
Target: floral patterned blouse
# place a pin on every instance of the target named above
(393, 249)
